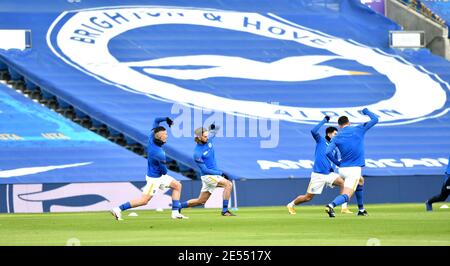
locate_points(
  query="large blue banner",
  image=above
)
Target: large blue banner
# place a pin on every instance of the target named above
(265, 72)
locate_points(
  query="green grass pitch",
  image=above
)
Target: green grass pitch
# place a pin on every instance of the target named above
(390, 224)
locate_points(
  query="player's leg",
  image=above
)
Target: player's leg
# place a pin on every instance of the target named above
(316, 184)
(359, 194)
(299, 200)
(147, 194)
(339, 182)
(143, 200)
(351, 177)
(176, 205)
(339, 200)
(227, 188)
(201, 200)
(303, 198)
(445, 191)
(205, 193)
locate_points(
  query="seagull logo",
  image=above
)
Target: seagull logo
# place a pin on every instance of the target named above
(289, 69)
(170, 75)
(37, 170)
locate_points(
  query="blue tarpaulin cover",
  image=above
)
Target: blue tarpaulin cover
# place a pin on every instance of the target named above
(264, 71)
(41, 146)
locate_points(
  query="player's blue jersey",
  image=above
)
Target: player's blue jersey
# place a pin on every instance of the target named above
(205, 158)
(448, 167)
(322, 164)
(350, 142)
(156, 160)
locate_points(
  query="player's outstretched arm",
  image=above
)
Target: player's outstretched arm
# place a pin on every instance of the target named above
(162, 119)
(157, 121)
(212, 131)
(373, 119)
(330, 155)
(315, 130)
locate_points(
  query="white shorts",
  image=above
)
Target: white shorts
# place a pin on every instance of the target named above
(318, 181)
(351, 176)
(156, 183)
(210, 182)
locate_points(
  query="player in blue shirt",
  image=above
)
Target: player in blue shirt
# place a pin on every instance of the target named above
(157, 178)
(350, 143)
(445, 190)
(211, 175)
(323, 171)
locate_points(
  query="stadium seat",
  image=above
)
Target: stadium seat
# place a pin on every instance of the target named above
(15, 79)
(82, 119)
(65, 109)
(99, 128)
(116, 136)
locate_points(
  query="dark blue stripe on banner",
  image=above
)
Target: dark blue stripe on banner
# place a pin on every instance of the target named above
(3, 201)
(28, 39)
(11, 198)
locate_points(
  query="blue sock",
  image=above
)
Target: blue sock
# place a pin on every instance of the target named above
(359, 193)
(225, 206)
(184, 205)
(125, 206)
(339, 200)
(176, 205)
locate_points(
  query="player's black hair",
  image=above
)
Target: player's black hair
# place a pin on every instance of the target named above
(156, 130)
(343, 120)
(328, 131)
